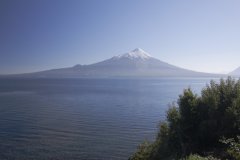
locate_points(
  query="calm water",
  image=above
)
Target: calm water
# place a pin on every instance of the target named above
(94, 119)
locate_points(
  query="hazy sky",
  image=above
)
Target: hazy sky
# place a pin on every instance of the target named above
(202, 35)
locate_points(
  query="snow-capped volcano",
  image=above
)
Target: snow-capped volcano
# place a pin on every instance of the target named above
(134, 63)
(136, 53)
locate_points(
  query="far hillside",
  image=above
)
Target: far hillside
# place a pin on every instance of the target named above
(136, 63)
(235, 72)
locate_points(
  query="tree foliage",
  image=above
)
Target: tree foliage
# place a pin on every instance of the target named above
(233, 148)
(196, 123)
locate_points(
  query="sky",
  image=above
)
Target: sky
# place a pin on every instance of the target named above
(201, 35)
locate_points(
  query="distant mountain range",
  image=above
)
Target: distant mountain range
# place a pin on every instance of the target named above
(235, 72)
(131, 64)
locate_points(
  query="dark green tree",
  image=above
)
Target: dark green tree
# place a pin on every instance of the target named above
(196, 123)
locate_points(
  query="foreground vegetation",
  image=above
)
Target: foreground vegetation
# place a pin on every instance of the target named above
(201, 127)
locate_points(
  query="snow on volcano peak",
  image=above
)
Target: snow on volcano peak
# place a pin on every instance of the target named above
(137, 53)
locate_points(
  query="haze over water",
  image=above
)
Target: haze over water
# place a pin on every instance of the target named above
(94, 119)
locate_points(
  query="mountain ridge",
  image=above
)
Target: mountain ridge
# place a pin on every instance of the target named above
(136, 63)
(235, 72)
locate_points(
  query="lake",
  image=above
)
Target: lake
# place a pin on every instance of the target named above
(87, 119)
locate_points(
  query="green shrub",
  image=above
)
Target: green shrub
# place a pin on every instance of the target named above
(143, 152)
(196, 123)
(197, 157)
(233, 148)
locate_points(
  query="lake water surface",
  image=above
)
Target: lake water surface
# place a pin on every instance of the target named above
(84, 119)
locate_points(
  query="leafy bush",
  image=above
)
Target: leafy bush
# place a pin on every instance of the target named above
(143, 151)
(197, 157)
(196, 123)
(233, 146)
